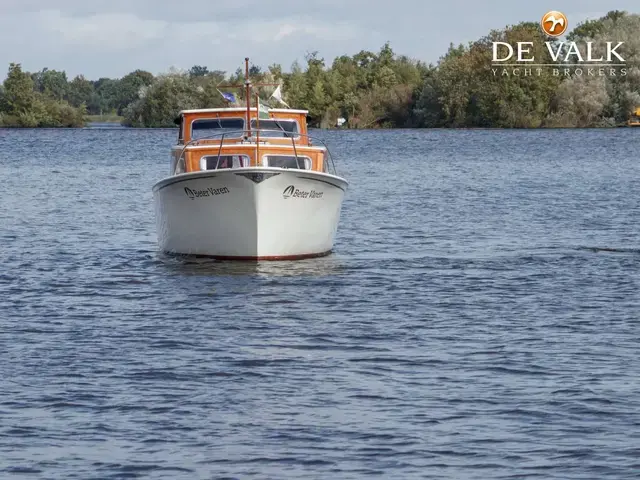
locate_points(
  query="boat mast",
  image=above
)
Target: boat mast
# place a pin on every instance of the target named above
(247, 84)
(248, 87)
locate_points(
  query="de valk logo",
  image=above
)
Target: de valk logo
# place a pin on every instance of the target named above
(567, 58)
(554, 23)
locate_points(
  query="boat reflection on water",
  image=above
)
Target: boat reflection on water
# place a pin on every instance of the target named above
(207, 266)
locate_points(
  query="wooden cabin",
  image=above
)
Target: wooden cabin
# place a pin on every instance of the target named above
(210, 139)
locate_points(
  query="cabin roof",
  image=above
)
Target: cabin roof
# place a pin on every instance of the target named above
(242, 109)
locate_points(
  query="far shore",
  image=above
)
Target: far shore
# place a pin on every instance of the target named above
(110, 123)
(104, 119)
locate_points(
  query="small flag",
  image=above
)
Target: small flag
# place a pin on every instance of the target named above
(229, 97)
(277, 94)
(263, 110)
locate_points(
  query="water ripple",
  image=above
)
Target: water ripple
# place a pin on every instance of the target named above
(478, 318)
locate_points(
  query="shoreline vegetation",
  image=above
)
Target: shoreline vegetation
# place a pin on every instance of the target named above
(367, 90)
(113, 118)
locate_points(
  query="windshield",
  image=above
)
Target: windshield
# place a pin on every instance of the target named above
(287, 161)
(290, 128)
(211, 162)
(207, 127)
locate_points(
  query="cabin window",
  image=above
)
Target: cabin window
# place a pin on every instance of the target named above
(277, 128)
(213, 162)
(215, 127)
(287, 161)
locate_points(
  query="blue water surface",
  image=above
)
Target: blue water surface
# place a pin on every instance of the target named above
(479, 317)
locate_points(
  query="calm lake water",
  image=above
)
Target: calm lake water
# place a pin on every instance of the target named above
(478, 319)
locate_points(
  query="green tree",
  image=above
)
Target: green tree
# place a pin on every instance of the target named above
(51, 83)
(3, 100)
(129, 87)
(23, 107)
(609, 100)
(464, 91)
(592, 28)
(198, 71)
(107, 100)
(80, 91)
(276, 70)
(161, 102)
(428, 109)
(295, 86)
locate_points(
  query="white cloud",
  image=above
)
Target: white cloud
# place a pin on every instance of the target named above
(577, 18)
(108, 31)
(113, 37)
(259, 31)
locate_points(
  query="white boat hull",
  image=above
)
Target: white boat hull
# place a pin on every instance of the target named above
(249, 213)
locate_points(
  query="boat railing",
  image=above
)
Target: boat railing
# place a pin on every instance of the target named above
(255, 138)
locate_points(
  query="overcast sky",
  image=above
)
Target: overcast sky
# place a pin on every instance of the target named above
(109, 38)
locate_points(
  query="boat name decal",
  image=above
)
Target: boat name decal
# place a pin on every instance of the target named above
(209, 192)
(294, 192)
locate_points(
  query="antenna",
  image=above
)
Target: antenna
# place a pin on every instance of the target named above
(248, 85)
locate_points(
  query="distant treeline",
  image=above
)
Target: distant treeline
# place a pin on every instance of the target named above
(368, 89)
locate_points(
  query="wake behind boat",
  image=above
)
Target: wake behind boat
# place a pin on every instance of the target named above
(248, 184)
